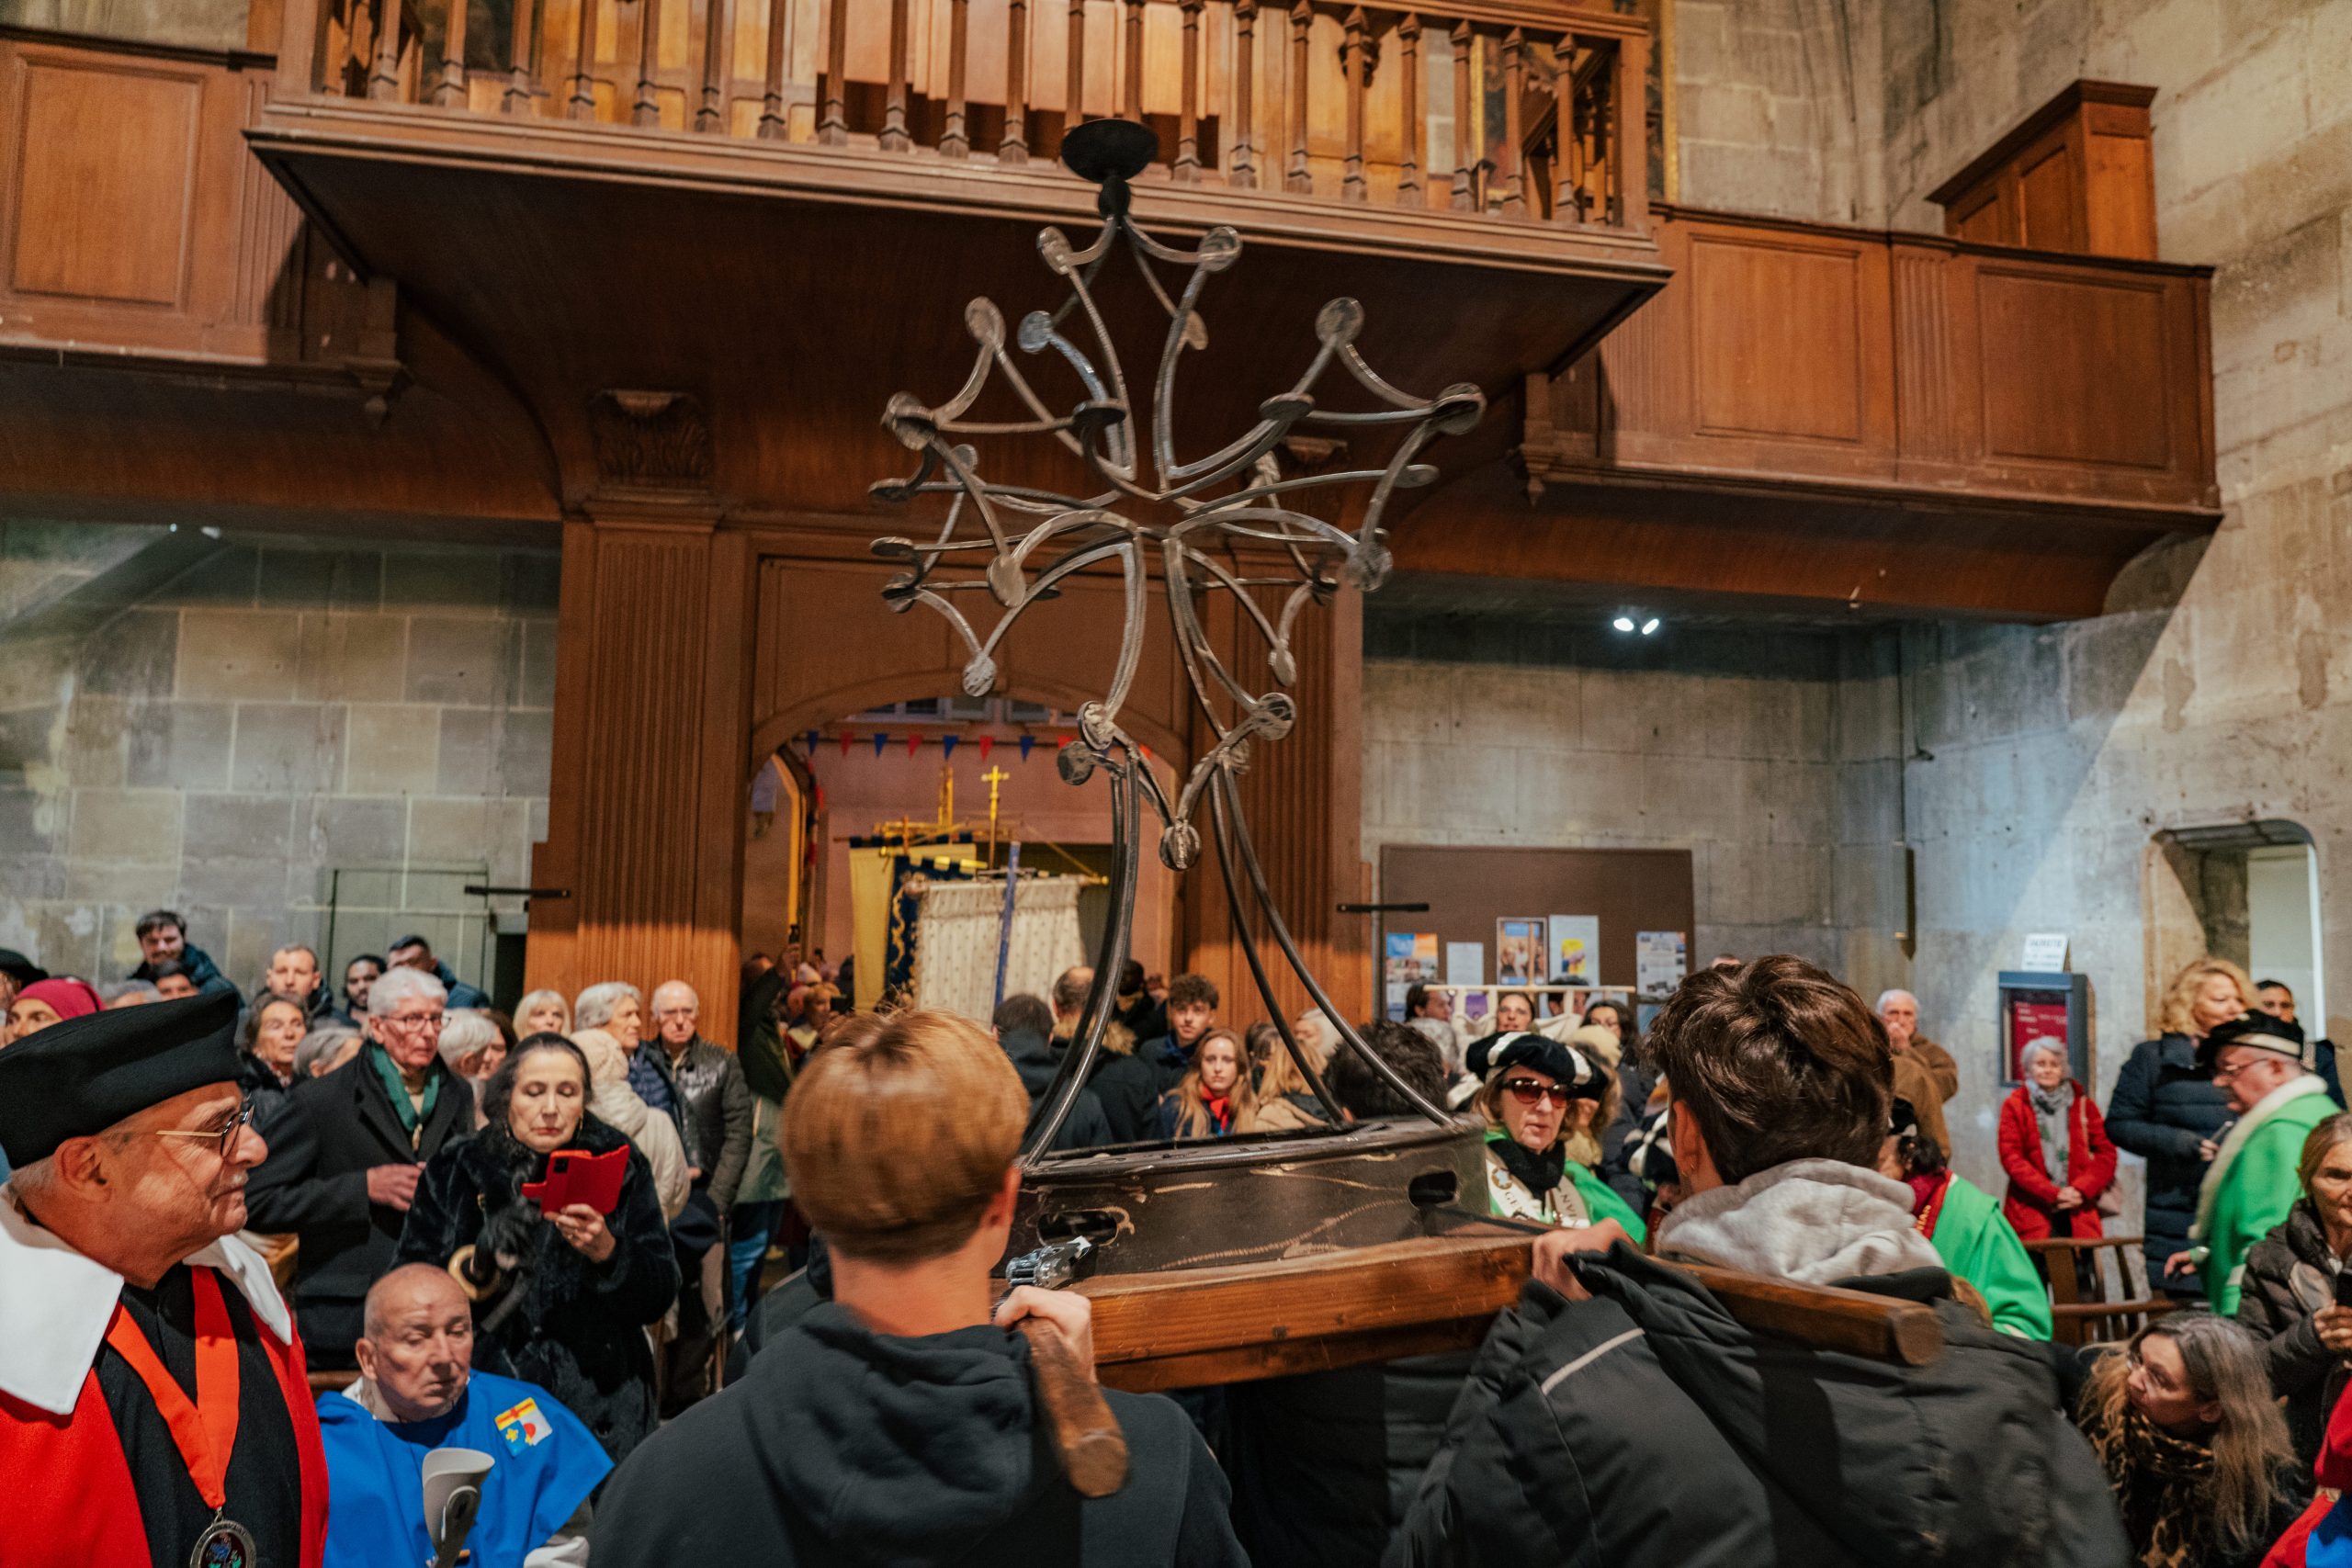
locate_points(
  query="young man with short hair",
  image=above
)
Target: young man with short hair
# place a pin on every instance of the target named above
(294, 972)
(1130, 1088)
(1620, 1414)
(899, 1422)
(163, 939)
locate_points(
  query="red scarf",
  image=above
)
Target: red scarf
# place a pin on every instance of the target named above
(1927, 1193)
(1220, 1110)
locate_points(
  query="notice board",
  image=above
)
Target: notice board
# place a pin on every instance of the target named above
(1467, 889)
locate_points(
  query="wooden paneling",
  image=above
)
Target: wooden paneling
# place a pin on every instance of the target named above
(2075, 369)
(1760, 309)
(2075, 175)
(105, 181)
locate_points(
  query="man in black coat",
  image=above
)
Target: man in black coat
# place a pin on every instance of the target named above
(1130, 1088)
(1025, 1027)
(345, 1153)
(1620, 1416)
(898, 1423)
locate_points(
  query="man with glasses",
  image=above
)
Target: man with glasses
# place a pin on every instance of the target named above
(153, 1402)
(346, 1151)
(2263, 1066)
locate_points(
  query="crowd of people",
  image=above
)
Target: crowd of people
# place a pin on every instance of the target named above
(545, 1237)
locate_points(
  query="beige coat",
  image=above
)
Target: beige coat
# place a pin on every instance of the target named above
(619, 1106)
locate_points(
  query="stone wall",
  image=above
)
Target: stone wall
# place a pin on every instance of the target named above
(1776, 108)
(1769, 757)
(225, 740)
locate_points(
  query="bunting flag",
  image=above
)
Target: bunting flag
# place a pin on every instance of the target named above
(880, 741)
(809, 742)
(1146, 753)
(845, 740)
(914, 741)
(987, 744)
(947, 745)
(1026, 741)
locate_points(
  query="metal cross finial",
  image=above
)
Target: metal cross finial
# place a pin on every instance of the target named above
(1014, 543)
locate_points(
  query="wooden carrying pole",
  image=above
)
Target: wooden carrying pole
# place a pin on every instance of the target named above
(1086, 1435)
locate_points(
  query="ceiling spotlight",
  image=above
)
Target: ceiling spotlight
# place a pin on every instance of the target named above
(1623, 623)
(1649, 625)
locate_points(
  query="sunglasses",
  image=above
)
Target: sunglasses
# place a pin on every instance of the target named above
(225, 1139)
(1535, 1091)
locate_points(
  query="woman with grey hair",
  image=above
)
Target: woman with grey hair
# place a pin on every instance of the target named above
(472, 1047)
(614, 1006)
(2055, 1149)
(324, 1049)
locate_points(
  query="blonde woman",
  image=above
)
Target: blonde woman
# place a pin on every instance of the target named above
(1285, 1099)
(542, 1012)
(2169, 1113)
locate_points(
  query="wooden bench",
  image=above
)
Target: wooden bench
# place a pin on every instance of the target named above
(2084, 1308)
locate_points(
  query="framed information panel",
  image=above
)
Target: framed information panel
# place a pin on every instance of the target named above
(2037, 1005)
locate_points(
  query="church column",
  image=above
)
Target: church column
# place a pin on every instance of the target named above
(645, 814)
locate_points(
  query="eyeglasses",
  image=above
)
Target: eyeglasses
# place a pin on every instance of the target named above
(415, 1020)
(226, 1138)
(1535, 1091)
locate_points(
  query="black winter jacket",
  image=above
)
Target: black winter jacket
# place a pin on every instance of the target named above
(1131, 1087)
(579, 1330)
(1035, 1059)
(853, 1449)
(2161, 1109)
(1645, 1429)
(2278, 1306)
(324, 1140)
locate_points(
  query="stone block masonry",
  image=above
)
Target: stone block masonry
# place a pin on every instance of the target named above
(279, 733)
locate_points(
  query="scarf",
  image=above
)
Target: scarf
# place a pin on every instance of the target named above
(1220, 1110)
(1927, 1195)
(1538, 1173)
(2050, 1108)
(396, 1089)
(2162, 1484)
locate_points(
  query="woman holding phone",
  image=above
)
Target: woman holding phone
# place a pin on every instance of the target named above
(561, 1298)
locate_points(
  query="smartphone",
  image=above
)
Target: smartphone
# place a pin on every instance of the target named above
(2343, 1288)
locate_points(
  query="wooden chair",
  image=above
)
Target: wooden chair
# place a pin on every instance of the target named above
(2084, 1307)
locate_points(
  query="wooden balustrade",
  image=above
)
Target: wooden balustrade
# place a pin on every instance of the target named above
(1510, 108)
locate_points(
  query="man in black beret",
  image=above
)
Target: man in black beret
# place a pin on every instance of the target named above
(154, 1406)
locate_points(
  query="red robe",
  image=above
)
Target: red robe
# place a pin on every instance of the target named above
(71, 1503)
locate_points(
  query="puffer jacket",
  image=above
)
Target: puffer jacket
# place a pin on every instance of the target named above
(2161, 1109)
(2031, 1205)
(2289, 1275)
(1742, 1448)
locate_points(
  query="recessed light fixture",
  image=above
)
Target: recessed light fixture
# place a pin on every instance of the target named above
(1649, 625)
(1623, 623)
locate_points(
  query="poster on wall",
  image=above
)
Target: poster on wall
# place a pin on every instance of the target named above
(2032, 1016)
(1575, 949)
(1661, 961)
(1396, 989)
(1519, 952)
(1412, 958)
(1465, 963)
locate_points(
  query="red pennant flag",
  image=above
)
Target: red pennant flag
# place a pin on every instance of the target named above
(914, 741)
(987, 744)
(845, 740)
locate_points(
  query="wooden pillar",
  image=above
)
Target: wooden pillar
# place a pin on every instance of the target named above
(652, 725)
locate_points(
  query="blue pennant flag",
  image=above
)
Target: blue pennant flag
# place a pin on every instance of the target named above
(947, 745)
(1026, 741)
(808, 743)
(880, 741)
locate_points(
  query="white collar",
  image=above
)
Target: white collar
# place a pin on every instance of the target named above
(55, 1305)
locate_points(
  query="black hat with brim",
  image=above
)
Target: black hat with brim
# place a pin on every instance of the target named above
(20, 968)
(2257, 1030)
(81, 1076)
(1496, 1053)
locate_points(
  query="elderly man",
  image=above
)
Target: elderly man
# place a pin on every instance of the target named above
(2264, 1066)
(153, 1402)
(418, 1391)
(294, 972)
(1925, 1073)
(714, 1106)
(415, 952)
(346, 1151)
(163, 939)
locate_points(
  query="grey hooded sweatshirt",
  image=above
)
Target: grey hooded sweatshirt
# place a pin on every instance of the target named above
(846, 1448)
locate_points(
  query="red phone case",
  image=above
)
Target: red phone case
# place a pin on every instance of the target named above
(575, 1176)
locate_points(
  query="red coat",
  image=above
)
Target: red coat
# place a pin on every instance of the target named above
(71, 1502)
(2031, 1205)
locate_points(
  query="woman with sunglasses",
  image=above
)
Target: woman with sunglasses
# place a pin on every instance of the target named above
(1528, 1086)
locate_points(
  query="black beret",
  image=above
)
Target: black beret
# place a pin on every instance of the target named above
(1496, 1053)
(85, 1074)
(2259, 1031)
(20, 968)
